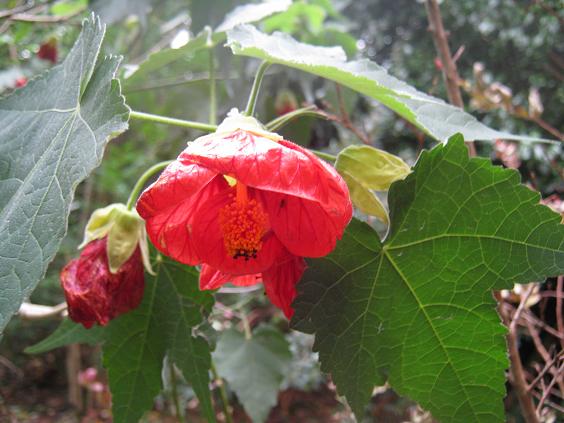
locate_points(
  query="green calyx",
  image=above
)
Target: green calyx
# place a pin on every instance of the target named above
(125, 231)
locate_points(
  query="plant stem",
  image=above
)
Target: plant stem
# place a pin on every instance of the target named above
(172, 121)
(174, 391)
(450, 72)
(279, 122)
(222, 393)
(143, 180)
(325, 156)
(213, 95)
(250, 110)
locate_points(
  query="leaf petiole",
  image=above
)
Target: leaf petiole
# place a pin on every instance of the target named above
(283, 120)
(172, 121)
(143, 180)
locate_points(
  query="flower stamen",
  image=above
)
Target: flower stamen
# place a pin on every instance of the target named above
(243, 223)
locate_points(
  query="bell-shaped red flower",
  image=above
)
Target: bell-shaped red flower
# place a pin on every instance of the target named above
(248, 206)
(93, 293)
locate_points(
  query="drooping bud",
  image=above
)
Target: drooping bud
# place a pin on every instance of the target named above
(285, 102)
(96, 295)
(125, 231)
(48, 50)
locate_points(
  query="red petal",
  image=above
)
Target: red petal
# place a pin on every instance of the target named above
(94, 295)
(280, 283)
(285, 168)
(208, 239)
(168, 207)
(211, 278)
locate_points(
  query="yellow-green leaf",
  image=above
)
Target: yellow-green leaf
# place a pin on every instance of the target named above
(375, 169)
(364, 199)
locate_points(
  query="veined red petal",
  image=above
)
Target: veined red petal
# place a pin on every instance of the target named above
(208, 239)
(211, 278)
(168, 207)
(93, 293)
(280, 282)
(311, 194)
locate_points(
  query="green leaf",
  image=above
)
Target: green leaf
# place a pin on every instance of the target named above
(364, 199)
(432, 115)
(68, 332)
(365, 168)
(418, 310)
(68, 7)
(374, 168)
(52, 135)
(137, 342)
(254, 368)
(207, 38)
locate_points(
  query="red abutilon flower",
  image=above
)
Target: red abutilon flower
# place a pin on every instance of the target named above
(248, 206)
(108, 278)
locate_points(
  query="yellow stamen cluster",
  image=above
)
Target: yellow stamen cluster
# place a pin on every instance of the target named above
(243, 223)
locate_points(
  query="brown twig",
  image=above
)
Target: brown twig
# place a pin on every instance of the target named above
(516, 369)
(559, 319)
(546, 368)
(450, 72)
(546, 393)
(345, 119)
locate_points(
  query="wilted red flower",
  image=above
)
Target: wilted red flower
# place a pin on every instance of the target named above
(48, 51)
(248, 205)
(93, 293)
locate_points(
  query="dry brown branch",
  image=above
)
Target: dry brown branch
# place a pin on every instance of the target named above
(559, 319)
(516, 370)
(450, 73)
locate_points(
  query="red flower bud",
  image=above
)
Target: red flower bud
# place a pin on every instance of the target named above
(21, 82)
(48, 51)
(285, 102)
(93, 293)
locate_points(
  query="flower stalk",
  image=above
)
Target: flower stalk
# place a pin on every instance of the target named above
(250, 110)
(143, 180)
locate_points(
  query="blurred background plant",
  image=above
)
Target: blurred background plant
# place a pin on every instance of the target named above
(509, 55)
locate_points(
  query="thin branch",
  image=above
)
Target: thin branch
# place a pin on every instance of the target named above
(450, 72)
(555, 379)
(559, 319)
(30, 311)
(345, 119)
(543, 372)
(516, 369)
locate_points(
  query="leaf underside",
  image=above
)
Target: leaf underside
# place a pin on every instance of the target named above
(418, 310)
(52, 135)
(432, 115)
(254, 367)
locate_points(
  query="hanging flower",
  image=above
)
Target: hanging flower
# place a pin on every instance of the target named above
(108, 278)
(247, 205)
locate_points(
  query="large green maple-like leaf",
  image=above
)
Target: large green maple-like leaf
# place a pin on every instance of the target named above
(432, 115)
(254, 367)
(52, 135)
(137, 342)
(418, 310)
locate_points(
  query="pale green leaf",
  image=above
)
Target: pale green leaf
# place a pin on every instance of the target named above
(432, 115)
(364, 199)
(68, 332)
(418, 309)
(374, 168)
(52, 135)
(254, 368)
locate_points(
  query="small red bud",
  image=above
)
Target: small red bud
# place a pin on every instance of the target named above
(48, 51)
(438, 64)
(21, 82)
